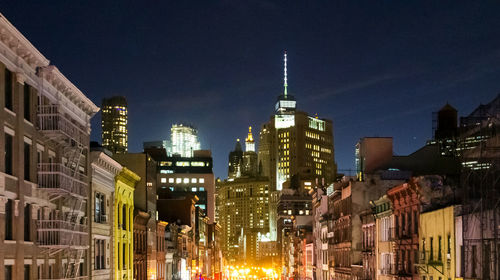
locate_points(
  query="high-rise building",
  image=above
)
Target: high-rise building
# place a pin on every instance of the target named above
(184, 140)
(302, 147)
(249, 166)
(114, 124)
(44, 165)
(181, 176)
(244, 216)
(235, 161)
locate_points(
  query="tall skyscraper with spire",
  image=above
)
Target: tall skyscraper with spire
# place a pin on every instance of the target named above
(302, 144)
(296, 150)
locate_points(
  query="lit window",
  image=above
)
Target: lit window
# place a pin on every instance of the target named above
(301, 212)
(163, 180)
(178, 180)
(289, 212)
(193, 180)
(186, 180)
(193, 189)
(202, 189)
(170, 180)
(202, 180)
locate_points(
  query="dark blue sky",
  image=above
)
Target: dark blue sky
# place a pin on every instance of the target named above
(376, 68)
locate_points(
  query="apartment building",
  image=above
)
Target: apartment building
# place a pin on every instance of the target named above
(44, 183)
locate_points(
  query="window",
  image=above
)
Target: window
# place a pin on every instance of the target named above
(423, 249)
(8, 154)
(100, 253)
(170, 180)
(415, 222)
(185, 181)
(193, 180)
(202, 180)
(27, 102)
(193, 189)
(124, 217)
(27, 161)
(100, 208)
(124, 258)
(474, 260)
(431, 253)
(439, 248)
(8, 220)
(163, 180)
(27, 222)
(8, 272)
(27, 269)
(178, 180)
(39, 272)
(8, 89)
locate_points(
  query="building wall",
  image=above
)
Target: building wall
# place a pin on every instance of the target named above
(124, 223)
(145, 198)
(406, 209)
(101, 198)
(437, 259)
(24, 206)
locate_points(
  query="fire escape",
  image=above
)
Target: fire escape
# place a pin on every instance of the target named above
(65, 231)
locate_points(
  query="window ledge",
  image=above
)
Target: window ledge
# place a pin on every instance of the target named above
(28, 122)
(9, 111)
(9, 176)
(10, 241)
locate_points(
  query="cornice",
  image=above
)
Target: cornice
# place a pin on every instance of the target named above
(52, 75)
(12, 38)
(106, 162)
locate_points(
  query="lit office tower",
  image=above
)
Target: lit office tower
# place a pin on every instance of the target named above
(184, 140)
(114, 124)
(302, 145)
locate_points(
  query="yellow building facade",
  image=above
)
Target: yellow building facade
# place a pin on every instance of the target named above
(437, 256)
(126, 181)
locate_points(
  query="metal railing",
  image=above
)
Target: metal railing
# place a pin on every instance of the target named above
(59, 233)
(389, 269)
(57, 178)
(52, 120)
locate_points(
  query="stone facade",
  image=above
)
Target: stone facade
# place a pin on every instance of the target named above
(104, 170)
(44, 139)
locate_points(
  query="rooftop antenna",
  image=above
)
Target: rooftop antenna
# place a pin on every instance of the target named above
(286, 79)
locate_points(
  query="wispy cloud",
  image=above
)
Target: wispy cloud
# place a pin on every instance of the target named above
(355, 86)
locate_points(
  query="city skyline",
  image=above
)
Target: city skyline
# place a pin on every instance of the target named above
(453, 59)
(291, 207)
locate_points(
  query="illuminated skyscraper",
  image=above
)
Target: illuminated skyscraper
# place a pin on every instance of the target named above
(114, 124)
(249, 166)
(296, 153)
(235, 160)
(301, 146)
(184, 140)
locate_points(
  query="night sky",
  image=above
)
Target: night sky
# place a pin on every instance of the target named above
(376, 68)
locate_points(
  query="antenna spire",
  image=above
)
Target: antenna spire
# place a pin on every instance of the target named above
(286, 79)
